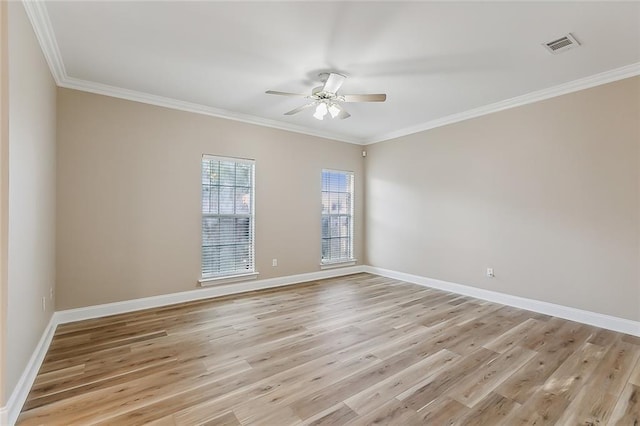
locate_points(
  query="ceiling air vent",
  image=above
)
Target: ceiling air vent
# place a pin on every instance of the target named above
(560, 45)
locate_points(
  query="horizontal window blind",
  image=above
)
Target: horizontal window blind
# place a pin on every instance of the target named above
(337, 216)
(227, 216)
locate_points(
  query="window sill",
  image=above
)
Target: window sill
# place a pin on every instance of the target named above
(340, 264)
(206, 282)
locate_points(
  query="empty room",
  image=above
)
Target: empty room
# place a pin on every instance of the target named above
(319, 213)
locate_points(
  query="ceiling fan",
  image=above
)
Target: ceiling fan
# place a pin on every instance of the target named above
(326, 99)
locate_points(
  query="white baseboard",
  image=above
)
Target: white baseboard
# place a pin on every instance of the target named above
(21, 391)
(609, 322)
(97, 311)
(9, 413)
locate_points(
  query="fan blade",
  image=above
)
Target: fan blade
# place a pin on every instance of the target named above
(274, 92)
(380, 97)
(297, 110)
(333, 83)
(343, 114)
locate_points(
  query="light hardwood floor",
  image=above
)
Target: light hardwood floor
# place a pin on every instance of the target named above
(354, 350)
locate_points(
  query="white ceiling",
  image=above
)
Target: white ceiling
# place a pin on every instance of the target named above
(434, 60)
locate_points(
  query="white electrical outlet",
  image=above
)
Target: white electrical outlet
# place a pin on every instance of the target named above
(51, 293)
(274, 262)
(44, 303)
(490, 273)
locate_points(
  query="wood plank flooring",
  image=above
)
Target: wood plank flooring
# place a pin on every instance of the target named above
(356, 350)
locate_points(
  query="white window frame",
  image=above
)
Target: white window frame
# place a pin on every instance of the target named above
(237, 275)
(351, 260)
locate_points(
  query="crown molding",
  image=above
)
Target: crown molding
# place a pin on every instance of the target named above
(627, 71)
(37, 13)
(39, 17)
(132, 95)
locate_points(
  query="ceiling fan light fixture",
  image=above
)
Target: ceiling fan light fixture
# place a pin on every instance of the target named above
(334, 110)
(321, 111)
(326, 99)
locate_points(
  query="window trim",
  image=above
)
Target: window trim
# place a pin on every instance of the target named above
(208, 280)
(337, 263)
(225, 279)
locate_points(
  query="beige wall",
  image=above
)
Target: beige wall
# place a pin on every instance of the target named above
(32, 175)
(547, 194)
(129, 196)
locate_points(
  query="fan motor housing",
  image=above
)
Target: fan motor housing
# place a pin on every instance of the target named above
(317, 92)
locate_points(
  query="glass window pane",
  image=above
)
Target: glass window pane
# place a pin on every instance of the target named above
(343, 206)
(227, 201)
(243, 257)
(205, 199)
(325, 180)
(227, 258)
(227, 173)
(210, 260)
(333, 183)
(210, 199)
(334, 203)
(325, 202)
(227, 231)
(325, 227)
(334, 226)
(206, 172)
(337, 220)
(344, 226)
(243, 231)
(344, 248)
(227, 239)
(210, 230)
(210, 172)
(338, 182)
(243, 200)
(335, 248)
(243, 174)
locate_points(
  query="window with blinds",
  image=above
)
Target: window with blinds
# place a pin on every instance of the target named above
(337, 216)
(227, 216)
